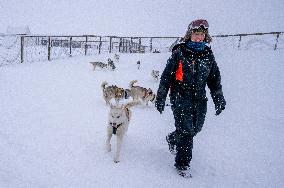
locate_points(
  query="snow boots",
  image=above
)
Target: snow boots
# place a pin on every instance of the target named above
(184, 171)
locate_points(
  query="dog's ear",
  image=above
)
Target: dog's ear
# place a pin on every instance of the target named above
(150, 92)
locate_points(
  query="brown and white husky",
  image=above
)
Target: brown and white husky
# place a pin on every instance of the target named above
(140, 93)
(112, 91)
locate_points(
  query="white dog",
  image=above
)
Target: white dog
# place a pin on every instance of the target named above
(156, 75)
(118, 121)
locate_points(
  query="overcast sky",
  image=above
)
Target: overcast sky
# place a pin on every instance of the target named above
(141, 17)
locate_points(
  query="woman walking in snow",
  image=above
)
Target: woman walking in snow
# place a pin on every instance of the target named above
(190, 68)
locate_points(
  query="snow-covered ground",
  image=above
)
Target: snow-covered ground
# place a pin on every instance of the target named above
(53, 126)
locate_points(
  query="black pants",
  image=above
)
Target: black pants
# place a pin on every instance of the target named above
(184, 145)
(189, 118)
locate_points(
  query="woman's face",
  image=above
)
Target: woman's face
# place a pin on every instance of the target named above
(197, 36)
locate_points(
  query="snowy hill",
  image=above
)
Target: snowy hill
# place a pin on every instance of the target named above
(53, 126)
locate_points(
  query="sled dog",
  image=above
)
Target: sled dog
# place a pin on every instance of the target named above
(141, 93)
(156, 75)
(138, 64)
(99, 64)
(112, 91)
(118, 121)
(116, 58)
(109, 65)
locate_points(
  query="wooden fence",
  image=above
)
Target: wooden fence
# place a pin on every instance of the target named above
(277, 34)
(49, 46)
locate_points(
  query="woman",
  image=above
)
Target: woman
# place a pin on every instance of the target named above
(191, 66)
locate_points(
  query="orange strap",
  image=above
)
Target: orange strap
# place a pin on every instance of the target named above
(179, 73)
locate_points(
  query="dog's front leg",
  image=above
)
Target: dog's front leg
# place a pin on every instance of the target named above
(119, 139)
(116, 101)
(108, 145)
(147, 102)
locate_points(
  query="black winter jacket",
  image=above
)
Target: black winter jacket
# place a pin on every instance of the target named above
(199, 69)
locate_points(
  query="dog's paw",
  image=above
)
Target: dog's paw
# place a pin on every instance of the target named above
(116, 159)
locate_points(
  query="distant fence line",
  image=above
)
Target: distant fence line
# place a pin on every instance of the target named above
(253, 34)
(42, 47)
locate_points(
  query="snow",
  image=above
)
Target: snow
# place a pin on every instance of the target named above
(53, 126)
(53, 117)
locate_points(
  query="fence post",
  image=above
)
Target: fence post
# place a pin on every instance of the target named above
(126, 45)
(86, 46)
(277, 37)
(100, 44)
(48, 49)
(131, 43)
(110, 44)
(70, 50)
(239, 45)
(120, 43)
(139, 47)
(22, 49)
(151, 44)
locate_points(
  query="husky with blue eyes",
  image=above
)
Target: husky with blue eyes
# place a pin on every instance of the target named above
(118, 121)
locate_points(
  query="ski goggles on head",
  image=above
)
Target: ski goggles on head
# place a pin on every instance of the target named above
(198, 23)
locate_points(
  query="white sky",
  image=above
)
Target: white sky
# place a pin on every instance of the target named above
(143, 18)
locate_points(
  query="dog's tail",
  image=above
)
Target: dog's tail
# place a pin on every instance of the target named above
(132, 103)
(131, 83)
(103, 86)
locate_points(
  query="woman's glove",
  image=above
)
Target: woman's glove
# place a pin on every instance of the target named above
(219, 109)
(220, 103)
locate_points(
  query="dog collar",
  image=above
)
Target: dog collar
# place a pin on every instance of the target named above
(115, 128)
(153, 98)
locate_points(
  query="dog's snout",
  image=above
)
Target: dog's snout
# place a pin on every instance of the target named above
(113, 124)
